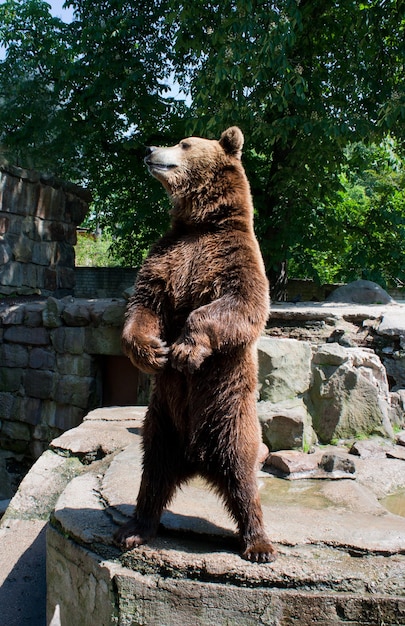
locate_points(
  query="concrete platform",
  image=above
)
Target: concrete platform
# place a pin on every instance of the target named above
(341, 553)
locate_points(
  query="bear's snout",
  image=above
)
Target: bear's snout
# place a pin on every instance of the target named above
(160, 161)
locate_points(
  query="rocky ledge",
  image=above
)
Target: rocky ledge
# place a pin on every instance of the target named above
(341, 551)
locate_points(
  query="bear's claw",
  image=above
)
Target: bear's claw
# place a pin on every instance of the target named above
(188, 357)
(131, 535)
(260, 551)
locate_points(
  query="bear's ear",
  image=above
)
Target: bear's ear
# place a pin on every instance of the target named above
(232, 141)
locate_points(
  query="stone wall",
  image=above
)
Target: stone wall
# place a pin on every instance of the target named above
(111, 282)
(57, 361)
(60, 358)
(38, 220)
(331, 372)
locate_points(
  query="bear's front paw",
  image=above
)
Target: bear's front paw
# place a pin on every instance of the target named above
(150, 354)
(188, 357)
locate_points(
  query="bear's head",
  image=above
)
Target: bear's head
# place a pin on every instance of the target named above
(193, 162)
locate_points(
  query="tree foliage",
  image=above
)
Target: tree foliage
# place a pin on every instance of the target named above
(362, 233)
(83, 99)
(303, 78)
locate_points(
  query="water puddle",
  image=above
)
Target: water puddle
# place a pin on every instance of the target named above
(305, 493)
(395, 503)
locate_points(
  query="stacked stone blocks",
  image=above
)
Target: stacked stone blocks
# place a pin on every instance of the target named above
(50, 370)
(38, 220)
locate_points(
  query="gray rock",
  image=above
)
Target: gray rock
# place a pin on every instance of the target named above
(42, 358)
(12, 355)
(52, 312)
(396, 452)
(74, 390)
(39, 383)
(3, 506)
(278, 359)
(330, 354)
(16, 430)
(401, 439)
(286, 425)
(33, 315)
(336, 463)
(68, 340)
(352, 398)
(397, 415)
(369, 449)
(6, 405)
(293, 461)
(104, 340)
(395, 367)
(360, 292)
(28, 336)
(113, 314)
(76, 315)
(10, 379)
(393, 325)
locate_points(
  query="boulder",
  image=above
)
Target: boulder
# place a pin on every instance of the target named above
(284, 368)
(397, 452)
(397, 414)
(360, 292)
(294, 465)
(337, 463)
(401, 439)
(350, 398)
(286, 425)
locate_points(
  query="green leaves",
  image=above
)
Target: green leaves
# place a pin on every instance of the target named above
(361, 233)
(303, 79)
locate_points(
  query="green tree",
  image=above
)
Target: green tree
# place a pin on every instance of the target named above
(362, 233)
(303, 79)
(94, 251)
(82, 100)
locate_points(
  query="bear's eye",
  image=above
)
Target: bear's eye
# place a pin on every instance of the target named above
(185, 145)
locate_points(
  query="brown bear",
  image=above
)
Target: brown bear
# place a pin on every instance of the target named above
(200, 303)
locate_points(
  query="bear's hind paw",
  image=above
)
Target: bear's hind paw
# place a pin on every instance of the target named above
(130, 536)
(260, 551)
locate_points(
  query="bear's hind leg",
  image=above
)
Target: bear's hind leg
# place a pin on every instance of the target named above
(163, 470)
(154, 493)
(242, 499)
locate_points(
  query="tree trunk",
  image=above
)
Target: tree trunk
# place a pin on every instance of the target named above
(278, 278)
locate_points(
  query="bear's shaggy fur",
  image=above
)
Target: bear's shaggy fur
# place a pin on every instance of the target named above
(200, 303)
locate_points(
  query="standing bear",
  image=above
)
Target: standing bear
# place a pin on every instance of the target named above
(201, 301)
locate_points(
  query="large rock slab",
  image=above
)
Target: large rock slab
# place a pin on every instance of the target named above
(191, 573)
(393, 325)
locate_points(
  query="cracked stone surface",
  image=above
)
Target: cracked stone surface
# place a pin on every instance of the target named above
(345, 514)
